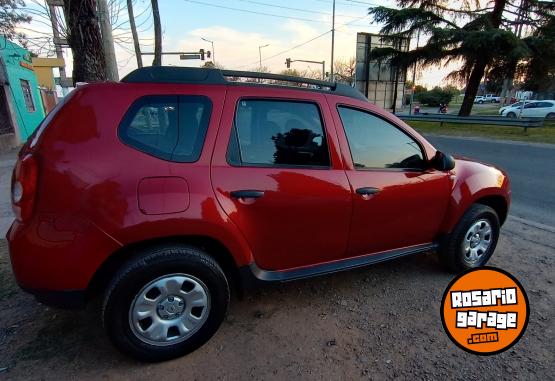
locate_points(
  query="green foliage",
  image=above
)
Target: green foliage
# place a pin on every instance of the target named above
(436, 96)
(480, 36)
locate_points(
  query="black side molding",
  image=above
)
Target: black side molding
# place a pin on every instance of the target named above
(67, 300)
(252, 275)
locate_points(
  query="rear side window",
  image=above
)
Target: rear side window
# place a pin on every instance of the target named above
(278, 133)
(169, 127)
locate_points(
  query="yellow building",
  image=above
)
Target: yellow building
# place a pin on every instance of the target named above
(43, 69)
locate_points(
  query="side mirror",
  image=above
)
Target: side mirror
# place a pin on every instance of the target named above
(443, 162)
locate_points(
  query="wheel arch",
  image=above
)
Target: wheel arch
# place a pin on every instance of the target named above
(213, 247)
(497, 203)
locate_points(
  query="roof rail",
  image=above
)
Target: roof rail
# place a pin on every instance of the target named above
(191, 75)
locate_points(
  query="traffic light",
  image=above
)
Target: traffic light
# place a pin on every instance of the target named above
(288, 62)
(201, 54)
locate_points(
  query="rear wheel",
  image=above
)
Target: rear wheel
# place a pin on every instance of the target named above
(551, 115)
(165, 303)
(472, 241)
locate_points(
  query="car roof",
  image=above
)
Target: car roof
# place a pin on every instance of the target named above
(209, 76)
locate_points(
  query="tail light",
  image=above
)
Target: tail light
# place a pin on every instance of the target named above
(24, 187)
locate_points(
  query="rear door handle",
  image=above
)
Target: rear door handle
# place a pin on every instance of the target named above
(247, 193)
(366, 191)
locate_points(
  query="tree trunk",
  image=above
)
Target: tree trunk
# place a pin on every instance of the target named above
(85, 40)
(157, 34)
(134, 33)
(481, 63)
(473, 84)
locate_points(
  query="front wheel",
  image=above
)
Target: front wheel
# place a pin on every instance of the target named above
(511, 115)
(165, 303)
(472, 241)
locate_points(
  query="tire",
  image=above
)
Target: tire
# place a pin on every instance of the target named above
(480, 102)
(550, 116)
(453, 249)
(193, 290)
(511, 115)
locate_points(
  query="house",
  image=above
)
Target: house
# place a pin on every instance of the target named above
(21, 108)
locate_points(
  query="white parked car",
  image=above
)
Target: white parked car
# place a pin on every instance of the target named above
(514, 105)
(538, 109)
(480, 99)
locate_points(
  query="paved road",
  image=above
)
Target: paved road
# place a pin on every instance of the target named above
(531, 169)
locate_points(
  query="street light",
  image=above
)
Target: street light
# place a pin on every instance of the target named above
(213, 51)
(260, 54)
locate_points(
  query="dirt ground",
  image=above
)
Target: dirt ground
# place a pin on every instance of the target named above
(379, 322)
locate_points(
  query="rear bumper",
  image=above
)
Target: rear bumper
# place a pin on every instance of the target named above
(56, 262)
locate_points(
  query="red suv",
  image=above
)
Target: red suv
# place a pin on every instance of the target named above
(163, 190)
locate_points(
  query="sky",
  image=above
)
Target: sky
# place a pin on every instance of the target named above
(296, 29)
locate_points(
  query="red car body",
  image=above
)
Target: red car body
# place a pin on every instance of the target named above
(94, 197)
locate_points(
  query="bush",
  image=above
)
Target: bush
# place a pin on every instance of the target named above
(435, 97)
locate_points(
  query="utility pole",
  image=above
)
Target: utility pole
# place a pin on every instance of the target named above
(332, 40)
(107, 41)
(414, 75)
(52, 6)
(260, 55)
(213, 51)
(134, 33)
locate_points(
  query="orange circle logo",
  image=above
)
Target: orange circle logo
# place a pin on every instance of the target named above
(485, 311)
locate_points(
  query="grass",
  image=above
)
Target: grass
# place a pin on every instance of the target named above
(544, 134)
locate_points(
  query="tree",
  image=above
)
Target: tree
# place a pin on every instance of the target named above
(85, 41)
(344, 70)
(539, 69)
(291, 72)
(157, 34)
(435, 97)
(10, 16)
(134, 33)
(476, 43)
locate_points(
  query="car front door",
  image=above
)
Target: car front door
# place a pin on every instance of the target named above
(529, 109)
(277, 173)
(399, 202)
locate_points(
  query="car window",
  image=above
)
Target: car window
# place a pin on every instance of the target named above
(531, 105)
(376, 143)
(545, 104)
(278, 133)
(168, 127)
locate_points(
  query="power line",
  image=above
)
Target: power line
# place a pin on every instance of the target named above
(293, 9)
(351, 3)
(256, 12)
(287, 50)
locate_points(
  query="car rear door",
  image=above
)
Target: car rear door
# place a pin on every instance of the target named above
(277, 173)
(398, 200)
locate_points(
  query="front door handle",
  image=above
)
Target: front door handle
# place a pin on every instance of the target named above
(247, 193)
(367, 191)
